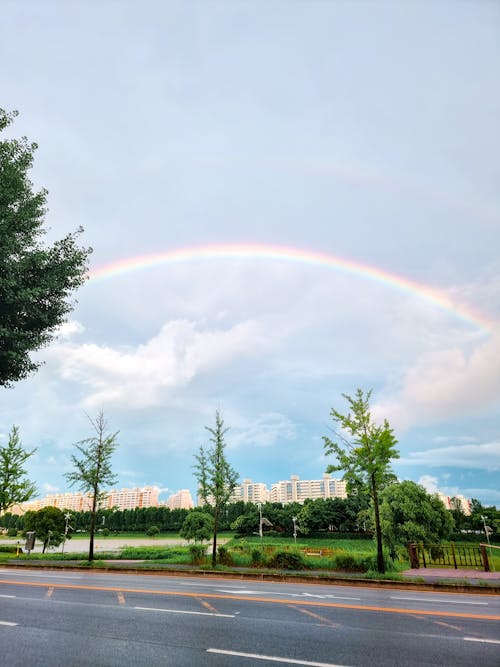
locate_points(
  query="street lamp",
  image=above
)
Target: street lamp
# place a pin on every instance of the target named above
(294, 519)
(66, 528)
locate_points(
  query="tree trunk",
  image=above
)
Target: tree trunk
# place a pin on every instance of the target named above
(378, 530)
(214, 545)
(92, 526)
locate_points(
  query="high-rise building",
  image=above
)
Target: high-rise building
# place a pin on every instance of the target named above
(296, 490)
(180, 500)
(122, 499)
(250, 492)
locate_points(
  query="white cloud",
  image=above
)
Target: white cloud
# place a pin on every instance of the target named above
(169, 360)
(445, 383)
(69, 329)
(264, 431)
(480, 457)
(429, 483)
(49, 488)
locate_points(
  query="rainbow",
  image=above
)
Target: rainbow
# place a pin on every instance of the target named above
(287, 253)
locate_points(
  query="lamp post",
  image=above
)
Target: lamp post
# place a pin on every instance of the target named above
(294, 519)
(66, 528)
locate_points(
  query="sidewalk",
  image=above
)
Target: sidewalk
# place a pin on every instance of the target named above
(450, 574)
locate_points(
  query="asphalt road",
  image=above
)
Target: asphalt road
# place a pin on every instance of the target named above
(90, 618)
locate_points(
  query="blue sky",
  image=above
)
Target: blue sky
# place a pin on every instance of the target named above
(366, 131)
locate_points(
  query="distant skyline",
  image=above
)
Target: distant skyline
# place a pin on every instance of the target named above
(286, 201)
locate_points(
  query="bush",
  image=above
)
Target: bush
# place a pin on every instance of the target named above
(197, 554)
(153, 531)
(286, 560)
(12, 532)
(350, 563)
(8, 548)
(224, 556)
(257, 557)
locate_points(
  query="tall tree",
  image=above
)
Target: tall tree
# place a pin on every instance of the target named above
(216, 478)
(15, 487)
(363, 451)
(36, 280)
(93, 468)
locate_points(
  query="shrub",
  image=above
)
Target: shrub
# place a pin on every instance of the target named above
(153, 531)
(8, 548)
(197, 554)
(350, 563)
(12, 532)
(257, 557)
(224, 556)
(286, 560)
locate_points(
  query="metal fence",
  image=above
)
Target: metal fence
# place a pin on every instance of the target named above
(448, 555)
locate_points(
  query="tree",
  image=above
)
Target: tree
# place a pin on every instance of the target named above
(216, 478)
(409, 514)
(14, 486)
(48, 524)
(36, 280)
(93, 468)
(363, 451)
(197, 526)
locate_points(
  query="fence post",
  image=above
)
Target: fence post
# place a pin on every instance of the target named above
(412, 551)
(453, 554)
(484, 555)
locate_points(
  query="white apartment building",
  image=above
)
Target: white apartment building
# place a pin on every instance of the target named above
(455, 502)
(180, 500)
(297, 490)
(121, 499)
(250, 492)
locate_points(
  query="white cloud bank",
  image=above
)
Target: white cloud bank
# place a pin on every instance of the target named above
(479, 457)
(446, 383)
(135, 377)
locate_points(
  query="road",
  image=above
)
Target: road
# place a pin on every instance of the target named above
(91, 618)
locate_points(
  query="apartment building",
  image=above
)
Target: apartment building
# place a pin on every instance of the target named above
(455, 502)
(180, 500)
(121, 499)
(296, 490)
(250, 492)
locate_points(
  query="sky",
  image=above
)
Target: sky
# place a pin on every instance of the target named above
(286, 201)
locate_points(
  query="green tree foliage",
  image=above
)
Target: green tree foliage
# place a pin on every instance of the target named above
(48, 524)
(36, 280)
(363, 451)
(216, 478)
(198, 526)
(409, 514)
(15, 487)
(93, 469)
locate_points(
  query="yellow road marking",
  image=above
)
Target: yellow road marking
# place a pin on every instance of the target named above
(121, 597)
(207, 605)
(317, 617)
(217, 596)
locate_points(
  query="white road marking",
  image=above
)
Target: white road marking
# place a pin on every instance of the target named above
(7, 623)
(434, 600)
(484, 641)
(292, 595)
(39, 574)
(180, 611)
(272, 658)
(7, 596)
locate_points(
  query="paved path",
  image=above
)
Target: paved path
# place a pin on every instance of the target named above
(440, 574)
